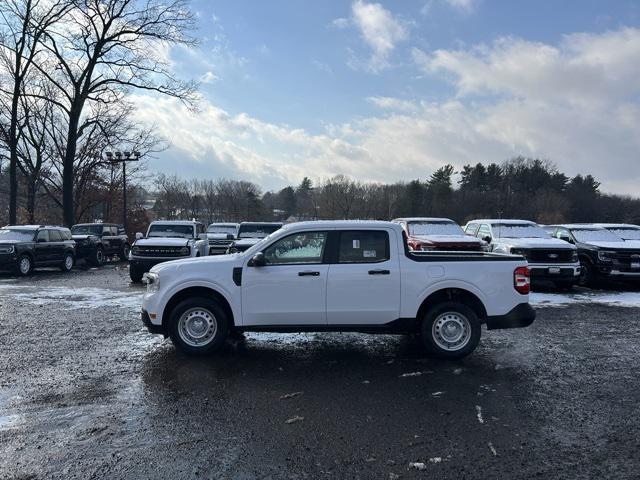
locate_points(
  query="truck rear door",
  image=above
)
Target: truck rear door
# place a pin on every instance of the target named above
(363, 286)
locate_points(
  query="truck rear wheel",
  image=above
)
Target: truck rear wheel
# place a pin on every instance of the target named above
(198, 326)
(450, 330)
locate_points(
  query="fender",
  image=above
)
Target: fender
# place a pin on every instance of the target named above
(444, 284)
(235, 307)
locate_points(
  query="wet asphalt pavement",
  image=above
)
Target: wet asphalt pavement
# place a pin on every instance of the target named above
(85, 392)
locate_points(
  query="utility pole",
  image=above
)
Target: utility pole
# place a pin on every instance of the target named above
(123, 157)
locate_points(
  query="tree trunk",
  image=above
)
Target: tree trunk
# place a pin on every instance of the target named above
(68, 207)
(31, 199)
(13, 155)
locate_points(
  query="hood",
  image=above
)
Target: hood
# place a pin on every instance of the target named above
(624, 245)
(162, 242)
(436, 239)
(206, 262)
(535, 242)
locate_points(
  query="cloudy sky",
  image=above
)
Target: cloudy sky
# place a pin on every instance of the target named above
(392, 90)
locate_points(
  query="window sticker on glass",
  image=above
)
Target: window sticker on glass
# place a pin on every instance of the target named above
(369, 254)
(356, 243)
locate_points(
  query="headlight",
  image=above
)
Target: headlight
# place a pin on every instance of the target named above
(185, 251)
(232, 249)
(153, 282)
(574, 257)
(604, 256)
(9, 249)
(135, 249)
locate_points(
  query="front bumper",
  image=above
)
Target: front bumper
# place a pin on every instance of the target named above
(146, 320)
(560, 271)
(145, 263)
(8, 261)
(520, 316)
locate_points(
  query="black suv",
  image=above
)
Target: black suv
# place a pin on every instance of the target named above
(602, 253)
(25, 247)
(96, 242)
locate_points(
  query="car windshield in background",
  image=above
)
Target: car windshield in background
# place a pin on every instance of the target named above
(627, 233)
(257, 231)
(16, 234)
(587, 235)
(160, 230)
(435, 228)
(223, 229)
(518, 230)
(86, 230)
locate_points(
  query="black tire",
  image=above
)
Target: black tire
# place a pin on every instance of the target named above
(457, 315)
(67, 263)
(587, 274)
(215, 326)
(135, 273)
(24, 260)
(98, 257)
(563, 285)
(123, 254)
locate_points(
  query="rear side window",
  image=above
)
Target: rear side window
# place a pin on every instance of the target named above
(55, 236)
(363, 246)
(43, 236)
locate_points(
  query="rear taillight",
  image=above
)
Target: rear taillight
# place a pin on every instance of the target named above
(522, 280)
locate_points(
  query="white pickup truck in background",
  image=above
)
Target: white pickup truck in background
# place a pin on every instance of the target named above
(338, 276)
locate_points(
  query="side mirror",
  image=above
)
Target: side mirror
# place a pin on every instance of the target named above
(139, 236)
(487, 238)
(566, 238)
(258, 260)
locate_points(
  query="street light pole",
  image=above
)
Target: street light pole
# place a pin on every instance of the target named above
(123, 157)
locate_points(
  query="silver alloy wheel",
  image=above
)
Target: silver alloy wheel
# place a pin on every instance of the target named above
(68, 262)
(451, 331)
(197, 327)
(25, 265)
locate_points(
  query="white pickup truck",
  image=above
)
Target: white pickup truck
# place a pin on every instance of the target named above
(338, 276)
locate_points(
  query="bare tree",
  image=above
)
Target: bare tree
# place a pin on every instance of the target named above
(23, 26)
(106, 48)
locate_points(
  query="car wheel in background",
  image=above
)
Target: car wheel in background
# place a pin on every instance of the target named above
(587, 274)
(135, 274)
(67, 263)
(24, 265)
(98, 257)
(450, 330)
(198, 326)
(123, 254)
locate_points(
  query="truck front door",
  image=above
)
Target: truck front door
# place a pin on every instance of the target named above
(290, 289)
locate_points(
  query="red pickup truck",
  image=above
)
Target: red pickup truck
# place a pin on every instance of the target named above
(425, 233)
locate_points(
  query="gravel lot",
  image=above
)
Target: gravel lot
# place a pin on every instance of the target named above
(86, 392)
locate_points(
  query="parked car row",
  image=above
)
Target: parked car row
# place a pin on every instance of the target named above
(26, 247)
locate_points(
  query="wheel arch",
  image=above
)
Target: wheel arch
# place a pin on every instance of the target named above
(454, 294)
(196, 291)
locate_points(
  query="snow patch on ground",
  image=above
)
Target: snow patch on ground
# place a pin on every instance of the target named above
(73, 298)
(618, 299)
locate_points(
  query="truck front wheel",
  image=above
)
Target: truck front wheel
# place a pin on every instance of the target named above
(198, 326)
(450, 330)
(135, 273)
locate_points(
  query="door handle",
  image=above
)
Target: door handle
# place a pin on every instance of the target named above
(308, 274)
(379, 272)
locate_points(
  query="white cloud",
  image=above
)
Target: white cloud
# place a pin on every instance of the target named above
(466, 6)
(209, 77)
(380, 30)
(341, 23)
(575, 103)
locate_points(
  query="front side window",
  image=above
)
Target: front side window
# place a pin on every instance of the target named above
(299, 248)
(363, 246)
(43, 236)
(484, 231)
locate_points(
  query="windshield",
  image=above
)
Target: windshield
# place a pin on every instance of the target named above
(17, 234)
(435, 228)
(627, 233)
(257, 231)
(86, 230)
(518, 230)
(587, 235)
(232, 229)
(168, 230)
